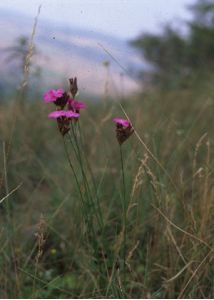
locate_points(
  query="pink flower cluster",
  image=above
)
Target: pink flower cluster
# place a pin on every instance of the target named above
(61, 98)
(67, 108)
(64, 116)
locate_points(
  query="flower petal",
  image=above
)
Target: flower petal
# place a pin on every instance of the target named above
(63, 113)
(57, 114)
(52, 95)
(123, 122)
(71, 114)
(76, 104)
(58, 93)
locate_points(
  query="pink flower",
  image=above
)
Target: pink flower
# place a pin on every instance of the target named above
(63, 113)
(122, 122)
(71, 114)
(53, 95)
(124, 130)
(75, 105)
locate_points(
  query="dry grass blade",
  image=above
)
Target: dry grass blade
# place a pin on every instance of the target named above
(22, 86)
(175, 244)
(5, 168)
(182, 230)
(138, 180)
(11, 192)
(179, 273)
(193, 275)
(30, 51)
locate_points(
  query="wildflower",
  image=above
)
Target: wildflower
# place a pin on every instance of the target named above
(67, 108)
(53, 95)
(122, 122)
(58, 97)
(124, 129)
(75, 105)
(64, 118)
(63, 113)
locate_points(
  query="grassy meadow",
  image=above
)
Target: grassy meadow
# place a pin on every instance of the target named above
(146, 232)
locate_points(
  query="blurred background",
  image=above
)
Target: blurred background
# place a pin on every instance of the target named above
(98, 39)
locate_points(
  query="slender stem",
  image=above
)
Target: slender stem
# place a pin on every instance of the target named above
(10, 221)
(89, 202)
(79, 158)
(76, 179)
(6, 184)
(91, 192)
(85, 180)
(86, 157)
(124, 209)
(72, 168)
(92, 176)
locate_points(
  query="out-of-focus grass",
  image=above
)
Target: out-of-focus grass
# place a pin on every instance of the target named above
(170, 221)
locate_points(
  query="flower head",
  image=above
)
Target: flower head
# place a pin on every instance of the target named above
(63, 113)
(124, 129)
(64, 118)
(122, 122)
(67, 109)
(53, 95)
(75, 105)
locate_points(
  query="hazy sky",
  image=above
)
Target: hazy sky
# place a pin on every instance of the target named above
(122, 18)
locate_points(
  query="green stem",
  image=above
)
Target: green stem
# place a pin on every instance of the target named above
(90, 203)
(124, 210)
(92, 177)
(77, 182)
(85, 180)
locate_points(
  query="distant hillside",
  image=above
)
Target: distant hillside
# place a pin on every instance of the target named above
(66, 51)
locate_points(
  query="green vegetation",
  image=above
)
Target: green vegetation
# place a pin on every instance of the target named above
(57, 244)
(170, 221)
(177, 59)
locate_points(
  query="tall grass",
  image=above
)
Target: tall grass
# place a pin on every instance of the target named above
(169, 213)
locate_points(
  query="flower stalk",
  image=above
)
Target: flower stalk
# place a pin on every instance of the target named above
(124, 130)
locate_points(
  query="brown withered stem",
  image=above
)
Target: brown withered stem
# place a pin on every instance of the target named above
(123, 133)
(73, 86)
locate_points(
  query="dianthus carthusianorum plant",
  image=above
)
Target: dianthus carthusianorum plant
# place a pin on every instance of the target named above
(67, 115)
